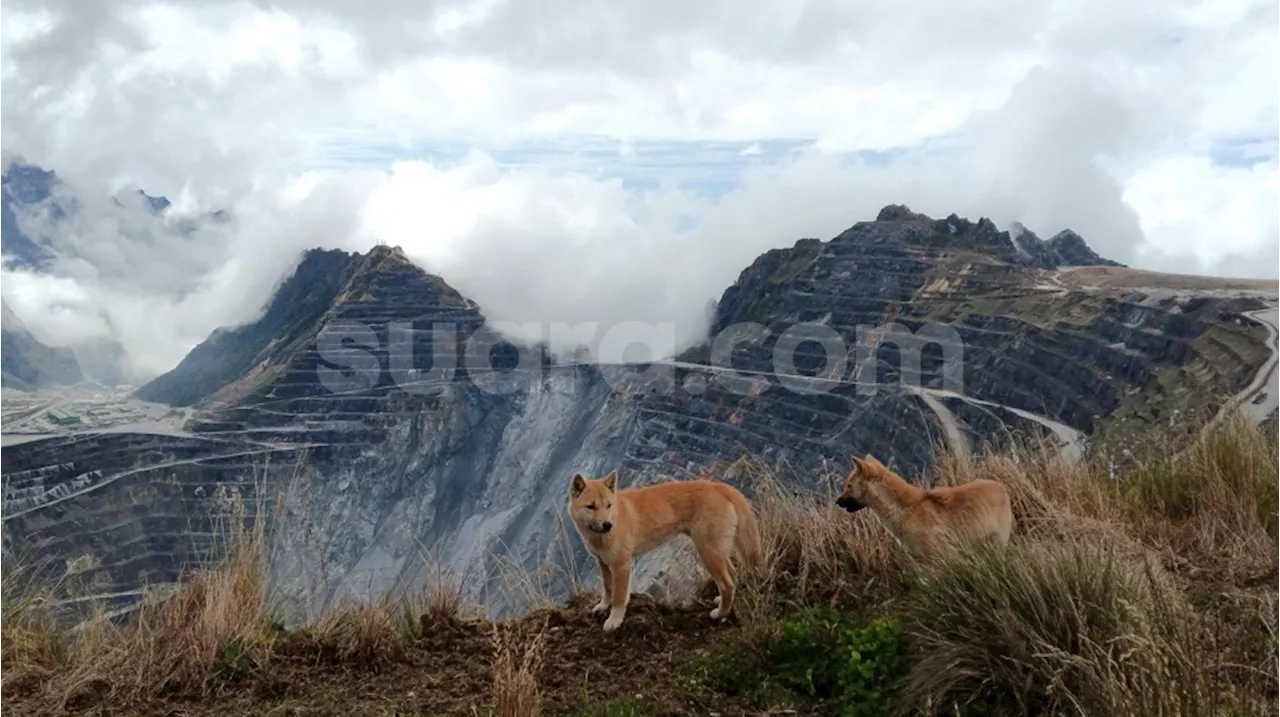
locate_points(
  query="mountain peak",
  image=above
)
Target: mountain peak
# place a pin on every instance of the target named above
(898, 213)
(387, 251)
(896, 223)
(157, 205)
(386, 268)
(378, 288)
(27, 182)
(898, 238)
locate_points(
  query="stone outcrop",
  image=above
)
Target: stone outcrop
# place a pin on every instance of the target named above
(382, 428)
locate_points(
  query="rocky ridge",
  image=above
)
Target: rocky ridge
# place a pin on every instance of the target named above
(392, 448)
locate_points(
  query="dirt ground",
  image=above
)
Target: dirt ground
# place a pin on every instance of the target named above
(1112, 277)
(448, 672)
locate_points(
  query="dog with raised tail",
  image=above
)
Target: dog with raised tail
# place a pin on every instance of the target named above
(618, 526)
(925, 520)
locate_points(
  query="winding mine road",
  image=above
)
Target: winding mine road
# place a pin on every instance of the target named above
(1072, 440)
(1259, 398)
(958, 442)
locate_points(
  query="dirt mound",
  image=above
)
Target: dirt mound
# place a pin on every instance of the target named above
(448, 670)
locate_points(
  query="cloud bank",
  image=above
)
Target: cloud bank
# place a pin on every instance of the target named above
(580, 162)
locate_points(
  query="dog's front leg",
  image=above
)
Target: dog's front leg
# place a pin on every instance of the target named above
(606, 580)
(621, 593)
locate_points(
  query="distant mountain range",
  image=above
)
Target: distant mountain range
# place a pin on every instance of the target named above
(390, 444)
(26, 188)
(24, 184)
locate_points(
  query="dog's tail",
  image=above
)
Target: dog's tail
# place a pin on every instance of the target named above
(746, 540)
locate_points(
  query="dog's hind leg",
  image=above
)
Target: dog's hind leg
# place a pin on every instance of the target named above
(713, 549)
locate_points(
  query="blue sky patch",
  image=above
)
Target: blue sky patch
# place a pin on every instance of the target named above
(1246, 151)
(709, 168)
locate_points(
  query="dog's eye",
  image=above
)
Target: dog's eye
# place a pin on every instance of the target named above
(591, 507)
(609, 505)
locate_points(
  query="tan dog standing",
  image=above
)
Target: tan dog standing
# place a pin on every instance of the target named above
(924, 520)
(618, 526)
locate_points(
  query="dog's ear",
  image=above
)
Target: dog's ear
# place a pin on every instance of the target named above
(611, 481)
(856, 466)
(577, 484)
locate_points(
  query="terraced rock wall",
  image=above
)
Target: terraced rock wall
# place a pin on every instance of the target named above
(385, 453)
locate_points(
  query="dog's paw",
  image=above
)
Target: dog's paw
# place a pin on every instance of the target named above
(600, 607)
(716, 614)
(612, 623)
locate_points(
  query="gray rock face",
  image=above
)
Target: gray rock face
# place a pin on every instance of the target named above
(378, 449)
(27, 363)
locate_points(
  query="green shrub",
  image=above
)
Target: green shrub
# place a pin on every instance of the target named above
(737, 670)
(828, 654)
(234, 660)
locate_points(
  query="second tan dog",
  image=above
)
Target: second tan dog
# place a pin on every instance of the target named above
(925, 520)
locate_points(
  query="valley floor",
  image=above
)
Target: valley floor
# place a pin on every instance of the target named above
(45, 413)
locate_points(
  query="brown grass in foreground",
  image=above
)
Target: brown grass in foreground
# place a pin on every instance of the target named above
(215, 625)
(515, 681)
(1146, 589)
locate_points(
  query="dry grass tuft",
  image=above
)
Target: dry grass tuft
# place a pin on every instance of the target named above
(443, 600)
(1052, 627)
(814, 553)
(214, 628)
(32, 647)
(515, 679)
(364, 633)
(440, 601)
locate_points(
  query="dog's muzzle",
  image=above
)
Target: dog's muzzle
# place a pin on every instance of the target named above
(849, 504)
(602, 528)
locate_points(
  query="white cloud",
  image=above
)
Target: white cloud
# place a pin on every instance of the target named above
(1196, 212)
(127, 275)
(1092, 115)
